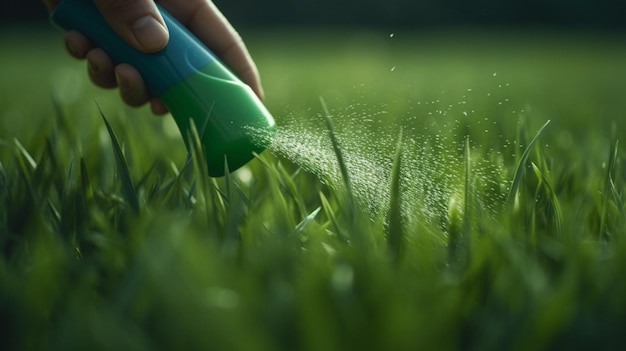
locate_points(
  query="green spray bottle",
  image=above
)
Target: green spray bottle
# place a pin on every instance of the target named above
(190, 80)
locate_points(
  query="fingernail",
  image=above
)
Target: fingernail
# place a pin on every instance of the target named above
(150, 33)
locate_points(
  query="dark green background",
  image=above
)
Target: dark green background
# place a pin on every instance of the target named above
(606, 14)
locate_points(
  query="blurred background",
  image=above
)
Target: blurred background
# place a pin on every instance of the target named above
(399, 14)
(564, 60)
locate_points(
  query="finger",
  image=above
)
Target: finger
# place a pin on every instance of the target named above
(77, 44)
(158, 107)
(100, 68)
(138, 22)
(206, 21)
(132, 88)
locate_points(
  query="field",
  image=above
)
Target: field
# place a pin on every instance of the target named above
(430, 190)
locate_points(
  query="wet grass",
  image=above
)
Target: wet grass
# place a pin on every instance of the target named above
(441, 210)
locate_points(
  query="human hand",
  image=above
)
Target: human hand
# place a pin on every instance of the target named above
(139, 23)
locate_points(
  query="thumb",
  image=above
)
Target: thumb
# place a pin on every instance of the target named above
(138, 22)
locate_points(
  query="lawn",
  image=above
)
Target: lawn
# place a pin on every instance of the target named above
(429, 190)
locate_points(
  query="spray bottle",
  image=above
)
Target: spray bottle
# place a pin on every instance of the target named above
(190, 80)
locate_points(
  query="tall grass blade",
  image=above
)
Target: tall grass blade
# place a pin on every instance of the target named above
(87, 189)
(202, 172)
(272, 192)
(46, 172)
(556, 214)
(519, 171)
(144, 179)
(128, 187)
(237, 209)
(288, 182)
(218, 196)
(331, 215)
(246, 199)
(285, 217)
(300, 227)
(608, 180)
(459, 237)
(189, 198)
(68, 204)
(27, 166)
(340, 159)
(467, 204)
(394, 219)
(28, 160)
(617, 198)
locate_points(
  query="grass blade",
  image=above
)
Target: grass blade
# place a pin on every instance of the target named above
(348, 197)
(459, 238)
(87, 189)
(519, 171)
(305, 221)
(290, 186)
(337, 149)
(395, 230)
(603, 232)
(128, 188)
(214, 205)
(331, 215)
(555, 214)
(28, 160)
(467, 205)
(27, 166)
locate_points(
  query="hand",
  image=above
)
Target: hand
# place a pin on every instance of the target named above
(139, 23)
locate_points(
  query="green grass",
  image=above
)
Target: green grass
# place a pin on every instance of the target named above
(113, 237)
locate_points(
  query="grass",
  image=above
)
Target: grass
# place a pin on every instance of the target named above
(112, 236)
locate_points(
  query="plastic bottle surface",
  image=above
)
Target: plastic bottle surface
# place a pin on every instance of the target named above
(191, 81)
